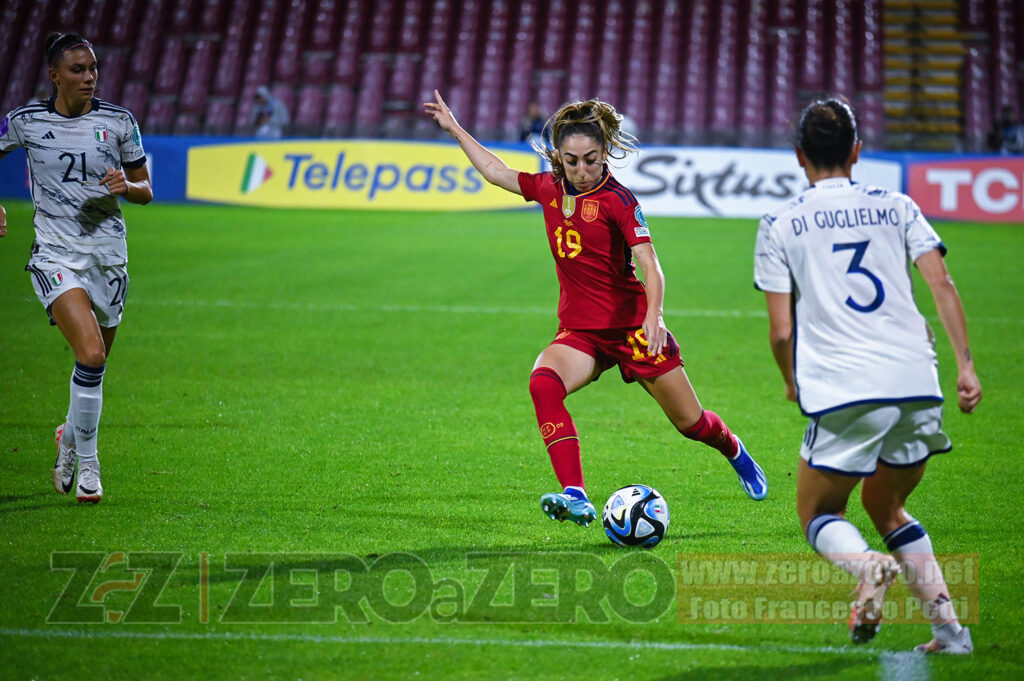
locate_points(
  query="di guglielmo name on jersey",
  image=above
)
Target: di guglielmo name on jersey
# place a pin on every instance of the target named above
(347, 174)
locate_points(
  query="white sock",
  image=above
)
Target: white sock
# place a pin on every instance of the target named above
(840, 542)
(67, 438)
(912, 546)
(86, 406)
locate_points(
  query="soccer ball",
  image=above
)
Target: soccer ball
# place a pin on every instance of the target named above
(635, 515)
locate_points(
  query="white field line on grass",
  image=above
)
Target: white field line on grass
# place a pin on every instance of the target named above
(475, 309)
(108, 634)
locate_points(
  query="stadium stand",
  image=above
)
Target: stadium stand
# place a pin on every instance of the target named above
(922, 73)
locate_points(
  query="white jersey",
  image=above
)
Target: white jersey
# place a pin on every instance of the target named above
(844, 251)
(78, 222)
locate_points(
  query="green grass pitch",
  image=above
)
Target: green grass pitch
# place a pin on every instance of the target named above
(306, 410)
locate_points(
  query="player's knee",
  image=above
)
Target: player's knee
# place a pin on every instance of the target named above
(93, 355)
(546, 384)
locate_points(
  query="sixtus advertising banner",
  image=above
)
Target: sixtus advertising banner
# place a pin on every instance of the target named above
(347, 174)
(740, 183)
(979, 189)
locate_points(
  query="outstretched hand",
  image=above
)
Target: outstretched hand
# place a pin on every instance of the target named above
(441, 113)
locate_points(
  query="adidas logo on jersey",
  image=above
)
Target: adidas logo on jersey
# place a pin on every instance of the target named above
(48, 135)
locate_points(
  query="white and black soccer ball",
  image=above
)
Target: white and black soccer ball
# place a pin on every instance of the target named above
(635, 515)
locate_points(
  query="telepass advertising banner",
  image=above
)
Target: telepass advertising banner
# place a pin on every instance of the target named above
(718, 181)
(347, 174)
(982, 190)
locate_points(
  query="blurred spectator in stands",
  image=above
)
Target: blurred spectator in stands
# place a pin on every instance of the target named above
(994, 138)
(532, 125)
(1012, 132)
(270, 116)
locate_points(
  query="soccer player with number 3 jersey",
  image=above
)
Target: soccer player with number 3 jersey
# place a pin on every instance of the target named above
(83, 154)
(607, 317)
(857, 355)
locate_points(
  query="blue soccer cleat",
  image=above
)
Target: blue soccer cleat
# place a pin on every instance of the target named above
(751, 476)
(568, 506)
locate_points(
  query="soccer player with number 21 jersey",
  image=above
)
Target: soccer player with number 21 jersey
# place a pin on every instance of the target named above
(857, 355)
(83, 154)
(607, 317)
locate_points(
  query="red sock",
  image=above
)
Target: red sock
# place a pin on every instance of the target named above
(556, 427)
(712, 431)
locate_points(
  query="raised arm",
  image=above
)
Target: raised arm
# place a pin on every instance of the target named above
(780, 336)
(483, 159)
(951, 313)
(654, 285)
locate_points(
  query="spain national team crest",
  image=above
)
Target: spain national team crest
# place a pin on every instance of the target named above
(101, 133)
(591, 207)
(56, 278)
(568, 205)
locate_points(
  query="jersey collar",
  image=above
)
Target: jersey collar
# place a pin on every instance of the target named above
(832, 183)
(568, 188)
(51, 107)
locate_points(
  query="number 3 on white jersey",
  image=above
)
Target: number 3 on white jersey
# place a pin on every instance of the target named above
(859, 248)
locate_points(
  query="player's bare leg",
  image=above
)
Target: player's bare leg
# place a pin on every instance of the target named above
(884, 495)
(821, 500)
(73, 313)
(677, 398)
(559, 371)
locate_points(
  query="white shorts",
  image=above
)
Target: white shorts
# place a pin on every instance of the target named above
(853, 440)
(106, 286)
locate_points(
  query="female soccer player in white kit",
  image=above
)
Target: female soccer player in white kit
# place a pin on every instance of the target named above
(834, 262)
(83, 153)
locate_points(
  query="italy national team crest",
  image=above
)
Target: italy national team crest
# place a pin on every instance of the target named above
(591, 207)
(56, 278)
(101, 133)
(568, 205)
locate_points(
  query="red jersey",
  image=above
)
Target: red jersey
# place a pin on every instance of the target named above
(590, 235)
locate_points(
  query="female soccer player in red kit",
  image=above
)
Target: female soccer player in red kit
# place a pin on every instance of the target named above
(607, 317)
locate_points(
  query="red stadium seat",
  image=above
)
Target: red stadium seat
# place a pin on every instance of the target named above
(124, 23)
(309, 112)
(159, 115)
(187, 124)
(211, 16)
(403, 78)
(147, 41)
(346, 60)
(340, 110)
(134, 97)
(197, 76)
(753, 94)
(182, 17)
(693, 111)
(370, 104)
(96, 21)
(410, 30)
(552, 53)
(113, 70)
(290, 43)
(220, 114)
(844, 60)
(325, 17)
(172, 67)
(871, 58)
(978, 113)
(782, 73)
(814, 30)
(382, 27)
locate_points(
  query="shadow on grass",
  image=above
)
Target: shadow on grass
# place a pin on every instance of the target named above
(835, 667)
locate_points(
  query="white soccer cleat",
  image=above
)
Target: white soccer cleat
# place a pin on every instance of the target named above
(960, 645)
(89, 487)
(64, 465)
(866, 611)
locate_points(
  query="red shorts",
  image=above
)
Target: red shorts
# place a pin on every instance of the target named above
(625, 347)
